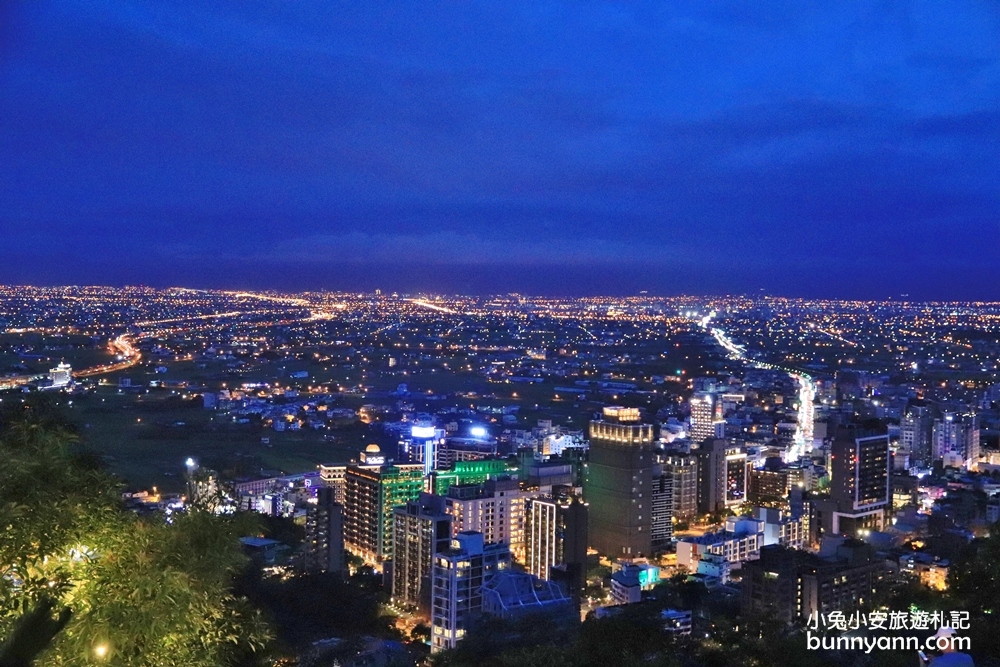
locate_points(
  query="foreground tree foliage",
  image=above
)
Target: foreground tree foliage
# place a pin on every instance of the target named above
(141, 591)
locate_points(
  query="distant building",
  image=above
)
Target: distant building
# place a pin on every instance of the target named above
(768, 486)
(618, 484)
(421, 530)
(628, 582)
(372, 489)
(465, 449)
(705, 412)
(61, 375)
(956, 435)
(915, 434)
(458, 579)
(676, 621)
(324, 542)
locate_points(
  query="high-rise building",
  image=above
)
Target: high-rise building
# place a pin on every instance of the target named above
(618, 484)
(495, 508)
(371, 490)
(722, 475)
(324, 542)
(684, 470)
(662, 503)
(557, 536)
(421, 445)
(956, 438)
(915, 434)
(421, 530)
(334, 477)
(458, 578)
(859, 485)
(706, 412)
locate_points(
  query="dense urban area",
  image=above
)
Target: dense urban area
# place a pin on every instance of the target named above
(511, 480)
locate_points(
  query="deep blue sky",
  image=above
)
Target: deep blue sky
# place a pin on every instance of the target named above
(807, 148)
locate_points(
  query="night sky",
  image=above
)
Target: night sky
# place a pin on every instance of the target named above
(835, 149)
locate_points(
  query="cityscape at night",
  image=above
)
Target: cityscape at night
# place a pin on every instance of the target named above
(591, 456)
(522, 334)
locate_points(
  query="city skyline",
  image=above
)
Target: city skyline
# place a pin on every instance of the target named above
(834, 151)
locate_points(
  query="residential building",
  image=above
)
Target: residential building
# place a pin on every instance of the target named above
(421, 530)
(495, 508)
(860, 484)
(458, 578)
(557, 535)
(722, 475)
(706, 412)
(662, 510)
(371, 490)
(335, 477)
(796, 584)
(956, 438)
(324, 541)
(684, 498)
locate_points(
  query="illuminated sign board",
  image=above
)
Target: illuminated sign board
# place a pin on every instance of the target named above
(422, 432)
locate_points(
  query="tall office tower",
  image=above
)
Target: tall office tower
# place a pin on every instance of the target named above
(371, 490)
(421, 530)
(684, 470)
(662, 528)
(457, 592)
(956, 438)
(334, 477)
(324, 543)
(421, 446)
(722, 476)
(557, 536)
(915, 434)
(495, 508)
(860, 484)
(618, 484)
(706, 413)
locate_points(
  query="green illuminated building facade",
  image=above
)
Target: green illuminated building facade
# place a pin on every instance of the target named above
(468, 472)
(371, 492)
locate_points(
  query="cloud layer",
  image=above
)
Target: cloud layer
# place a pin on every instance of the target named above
(838, 149)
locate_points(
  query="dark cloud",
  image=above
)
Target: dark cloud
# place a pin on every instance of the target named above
(839, 149)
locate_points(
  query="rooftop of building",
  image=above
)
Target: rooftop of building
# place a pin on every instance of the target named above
(520, 590)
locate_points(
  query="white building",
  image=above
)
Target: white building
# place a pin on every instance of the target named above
(740, 542)
(497, 509)
(61, 375)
